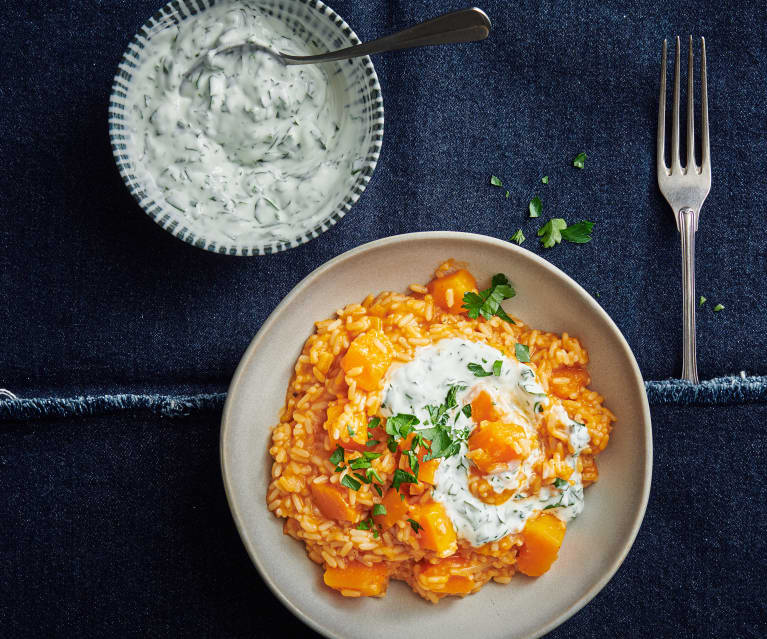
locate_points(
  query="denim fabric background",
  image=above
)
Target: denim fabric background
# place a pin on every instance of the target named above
(117, 525)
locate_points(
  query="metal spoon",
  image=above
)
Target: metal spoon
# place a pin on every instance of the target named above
(466, 25)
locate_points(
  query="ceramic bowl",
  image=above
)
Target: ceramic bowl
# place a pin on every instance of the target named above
(596, 542)
(323, 30)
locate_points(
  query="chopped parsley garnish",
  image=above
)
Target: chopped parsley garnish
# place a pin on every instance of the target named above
(402, 477)
(497, 365)
(551, 232)
(701, 301)
(466, 410)
(414, 525)
(535, 206)
(561, 483)
(379, 509)
(522, 352)
(372, 442)
(368, 524)
(518, 237)
(478, 370)
(718, 307)
(556, 229)
(488, 302)
(338, 456)
(450, 398)
(350, 482)
(375, 422)
(507, 195)
(350, 430)
(495, 181)
(443, 442)
(579, 160)
(401, 424)
(359, 463)
(398, 427)
(579, 233)
(545, 179)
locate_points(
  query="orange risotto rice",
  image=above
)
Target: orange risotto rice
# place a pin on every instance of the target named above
(364, 533)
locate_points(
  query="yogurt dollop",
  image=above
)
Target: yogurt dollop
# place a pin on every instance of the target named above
(425, 381)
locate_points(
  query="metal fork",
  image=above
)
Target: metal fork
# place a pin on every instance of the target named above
(685, 188)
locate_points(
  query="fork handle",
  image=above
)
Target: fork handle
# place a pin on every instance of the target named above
(687, 221)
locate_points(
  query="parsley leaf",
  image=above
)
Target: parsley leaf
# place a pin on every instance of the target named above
(350, 482)
(497, 365)
(518, 237)
(579, 233)
(402, 477)
(450, 398)
(701, 301)
(359, 463)
(379, 509)
(545, 179)
(579, 160)
(401, 425)
(466, 410)
(551, 232)
(372, 473)
(414, 525)
(535, 206)
(495, 181)
(338, 456)
(375, 422)
(522, 352)
(718, 307)
(507, 195)
(488, 302)
(368, 524)
(371, 442)
(478, 370)
(561, 483)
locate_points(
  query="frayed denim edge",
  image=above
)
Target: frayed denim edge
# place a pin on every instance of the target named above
(714, 392)
(60, 408)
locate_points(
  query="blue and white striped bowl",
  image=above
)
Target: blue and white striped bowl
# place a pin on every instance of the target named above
(319, 26)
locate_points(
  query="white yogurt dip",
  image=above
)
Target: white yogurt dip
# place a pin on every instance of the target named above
(245, 148)
(425, 381)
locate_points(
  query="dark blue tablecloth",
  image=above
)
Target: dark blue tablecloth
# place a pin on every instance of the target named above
(113, 521)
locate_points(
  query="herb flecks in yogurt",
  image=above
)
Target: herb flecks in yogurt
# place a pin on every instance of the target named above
(415, 391)
(247, 148)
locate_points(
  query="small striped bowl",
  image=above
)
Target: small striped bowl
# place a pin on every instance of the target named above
(319, 26)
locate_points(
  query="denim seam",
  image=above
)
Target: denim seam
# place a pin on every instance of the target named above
(720, 391)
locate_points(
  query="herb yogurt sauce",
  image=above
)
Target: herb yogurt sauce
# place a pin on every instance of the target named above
(248, 149)
(425, 381)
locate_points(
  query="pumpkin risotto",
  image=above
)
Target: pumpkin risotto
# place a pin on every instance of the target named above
(431, 438)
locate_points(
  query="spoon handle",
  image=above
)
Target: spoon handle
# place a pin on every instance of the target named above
(466, 25)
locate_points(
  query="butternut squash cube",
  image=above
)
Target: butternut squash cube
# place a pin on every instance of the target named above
(493, 445)
(542, 539)
(483, 408)
(372, 352)
(448, 291)
(396, 510)
(368, 581)
(437, 532)
(332, 502)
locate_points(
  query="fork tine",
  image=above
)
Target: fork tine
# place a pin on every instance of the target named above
(676, 167)
(704, 156)
(690, 166)
(661, 162)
